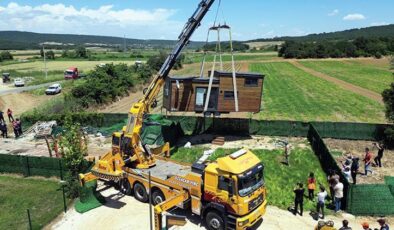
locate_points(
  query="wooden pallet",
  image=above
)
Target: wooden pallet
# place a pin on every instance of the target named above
(218, 141)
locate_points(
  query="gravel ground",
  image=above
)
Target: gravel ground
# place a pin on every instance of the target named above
(124, 212)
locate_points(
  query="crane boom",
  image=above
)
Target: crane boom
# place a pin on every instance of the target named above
(183, 39)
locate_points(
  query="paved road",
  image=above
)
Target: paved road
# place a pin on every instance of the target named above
(23, 89)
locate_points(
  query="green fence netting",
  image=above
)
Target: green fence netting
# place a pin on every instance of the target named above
(371, 200)
(89, 198)
(31, 166)
(158, 131)
(350, 131)
(327, 161)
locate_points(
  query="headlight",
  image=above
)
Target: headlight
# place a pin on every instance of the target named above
(243, 223)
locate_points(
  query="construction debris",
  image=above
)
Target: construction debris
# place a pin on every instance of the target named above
(41, 129)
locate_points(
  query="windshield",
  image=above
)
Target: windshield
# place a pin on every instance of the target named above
(69, 72)
(251, 180)
(52, 87)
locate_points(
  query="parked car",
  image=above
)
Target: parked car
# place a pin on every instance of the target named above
(19, 82)
(53, 89)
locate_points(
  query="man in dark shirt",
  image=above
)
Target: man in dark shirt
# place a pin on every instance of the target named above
(383, 224)
(378, 159)
(299, 198)
(2, 116)
(345, 225)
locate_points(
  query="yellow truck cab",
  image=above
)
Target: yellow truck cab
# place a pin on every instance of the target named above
(234, 191)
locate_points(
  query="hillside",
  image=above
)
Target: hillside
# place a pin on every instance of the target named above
(29, 40)
(368, 32)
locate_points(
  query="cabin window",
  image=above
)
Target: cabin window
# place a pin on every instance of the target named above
(200, 96)
(251, 82)
(223, 183)
(228, 95)
(167, 90)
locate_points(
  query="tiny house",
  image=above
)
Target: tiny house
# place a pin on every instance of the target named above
(188, 94)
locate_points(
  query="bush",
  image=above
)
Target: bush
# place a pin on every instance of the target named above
(5, 55)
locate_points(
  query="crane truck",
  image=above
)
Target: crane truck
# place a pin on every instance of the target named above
(228, 193)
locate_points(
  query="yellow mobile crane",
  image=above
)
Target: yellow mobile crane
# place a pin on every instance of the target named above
(228, 193)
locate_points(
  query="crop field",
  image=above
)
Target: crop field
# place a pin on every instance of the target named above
(369, 77)
(57, 65)
(280, 179)
(292, 94)
(42, 197)
(198, 57)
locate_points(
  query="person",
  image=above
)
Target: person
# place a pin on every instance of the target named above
(345, 225)
(365, 226)
(383, 224)
(378, 159)
(2, 116)
(3, 129)
(19, 123)
(354, 169)
(299, 198)
(338, 190)
(321, 199)
(287, 153)
(16, 129)
(10, 117)
(311, 186)
(333, 176)
(346, 169)
(367, 161)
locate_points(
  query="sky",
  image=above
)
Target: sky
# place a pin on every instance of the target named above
(164, 19)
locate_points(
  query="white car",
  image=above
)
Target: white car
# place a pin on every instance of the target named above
(19, 82)
(53, 89)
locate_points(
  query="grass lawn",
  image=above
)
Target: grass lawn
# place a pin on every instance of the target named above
(366, 76)
(280, 179)
(42, 197)
(197, 57)
(292, 94)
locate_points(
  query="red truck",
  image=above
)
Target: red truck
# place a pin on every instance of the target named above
(71, 73)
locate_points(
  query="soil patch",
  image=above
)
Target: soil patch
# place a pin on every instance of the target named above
(339, 149)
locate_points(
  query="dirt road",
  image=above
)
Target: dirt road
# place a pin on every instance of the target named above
(124, 212)
(21, 102)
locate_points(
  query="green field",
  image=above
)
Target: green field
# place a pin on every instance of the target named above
(292, 94)
(42, 197)
(280, 179)
(198, 57)
(366, 76)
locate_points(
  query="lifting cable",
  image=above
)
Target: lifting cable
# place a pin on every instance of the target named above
(219, 51)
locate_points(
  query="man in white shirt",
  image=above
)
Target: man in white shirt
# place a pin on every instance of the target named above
(321, 198)
(338, 190)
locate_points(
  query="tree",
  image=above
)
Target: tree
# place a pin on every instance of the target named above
(81, 52)
(50, 55)
(65, 53)
(5, 55)
(73, 147)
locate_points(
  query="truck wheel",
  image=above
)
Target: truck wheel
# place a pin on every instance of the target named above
(125, 187)
(214, 221)
(140, 193)
(157, 197)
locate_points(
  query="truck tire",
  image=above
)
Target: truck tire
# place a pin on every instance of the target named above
(214, 221)
(125, 187)
(140, 193)
(157, 197)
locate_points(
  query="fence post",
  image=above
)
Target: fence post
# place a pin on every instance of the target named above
(64, 200)
(28, 216)
(60, 169)
(28, 166)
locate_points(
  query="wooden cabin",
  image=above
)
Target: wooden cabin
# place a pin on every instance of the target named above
(188, 94)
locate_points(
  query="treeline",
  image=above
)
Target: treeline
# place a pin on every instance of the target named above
(107, 83)
(5, 55)
(225, 46)
(359, 47)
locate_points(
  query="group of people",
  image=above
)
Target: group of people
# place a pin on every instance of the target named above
(336, 192)
(351, 166)
(382, 224)
(16, 124)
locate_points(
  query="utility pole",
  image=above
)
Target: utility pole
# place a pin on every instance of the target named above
(45, 62)
(124, 44)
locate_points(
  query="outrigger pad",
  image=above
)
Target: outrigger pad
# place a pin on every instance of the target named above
(89, 198)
